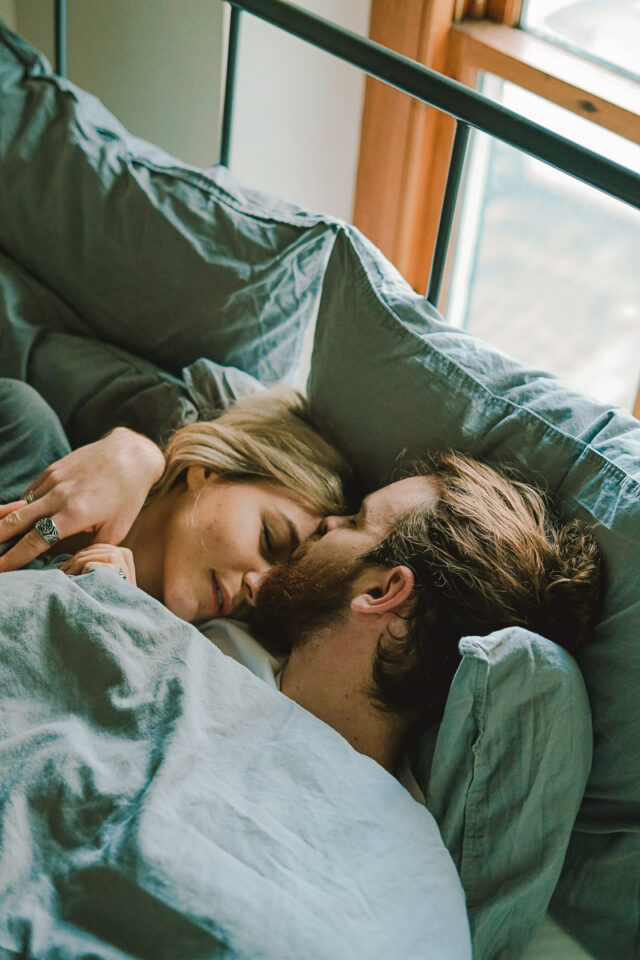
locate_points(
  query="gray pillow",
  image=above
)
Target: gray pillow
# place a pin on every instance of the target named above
(166, 261)
(94, 386)
(513, 749)
(388, 374)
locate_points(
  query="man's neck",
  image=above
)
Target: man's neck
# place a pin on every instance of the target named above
(334, 689)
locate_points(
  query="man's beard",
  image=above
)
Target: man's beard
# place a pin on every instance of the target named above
(299, 598)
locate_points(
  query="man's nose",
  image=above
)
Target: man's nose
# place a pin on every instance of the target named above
(251, 583)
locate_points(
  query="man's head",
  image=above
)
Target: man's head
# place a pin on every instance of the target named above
(314, 588)
(459, 549)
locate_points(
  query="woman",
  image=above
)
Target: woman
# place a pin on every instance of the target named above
(236, 495)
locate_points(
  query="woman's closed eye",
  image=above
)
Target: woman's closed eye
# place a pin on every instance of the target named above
(278, 540)
(268, 546)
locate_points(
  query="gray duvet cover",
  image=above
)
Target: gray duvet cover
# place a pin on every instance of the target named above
(159, 800)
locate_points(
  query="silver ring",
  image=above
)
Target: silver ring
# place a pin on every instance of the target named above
(47, 529)
(122, 574)
(29, 496)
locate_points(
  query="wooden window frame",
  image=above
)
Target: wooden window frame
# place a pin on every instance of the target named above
(405, 146)
(587, 89)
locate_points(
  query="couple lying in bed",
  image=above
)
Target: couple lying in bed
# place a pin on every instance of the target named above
(246, 518)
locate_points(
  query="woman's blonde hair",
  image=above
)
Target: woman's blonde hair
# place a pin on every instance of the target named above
(265, 436)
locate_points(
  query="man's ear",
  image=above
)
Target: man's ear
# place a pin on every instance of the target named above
(385, 591)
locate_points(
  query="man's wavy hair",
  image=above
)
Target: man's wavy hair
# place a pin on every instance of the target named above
(490, 553)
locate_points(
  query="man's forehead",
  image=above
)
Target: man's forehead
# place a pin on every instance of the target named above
(382, 506)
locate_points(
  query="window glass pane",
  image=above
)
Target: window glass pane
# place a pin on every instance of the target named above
(546, 267)
(607, 31)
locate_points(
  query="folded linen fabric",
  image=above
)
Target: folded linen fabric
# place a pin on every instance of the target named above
(94, 386)
(166, 261)
(159, 800)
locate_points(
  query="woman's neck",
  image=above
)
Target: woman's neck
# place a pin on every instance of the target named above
(146, 542)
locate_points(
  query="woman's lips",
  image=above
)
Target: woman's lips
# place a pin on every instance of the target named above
(221, 606)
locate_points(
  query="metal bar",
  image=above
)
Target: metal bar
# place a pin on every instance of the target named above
(229, 86)
(447, 214)
(451, 97)
(60, 17)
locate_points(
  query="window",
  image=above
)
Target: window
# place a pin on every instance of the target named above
(542, 265)
(604, 31)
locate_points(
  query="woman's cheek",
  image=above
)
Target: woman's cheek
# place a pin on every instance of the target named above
(178, 591)
(181, 603)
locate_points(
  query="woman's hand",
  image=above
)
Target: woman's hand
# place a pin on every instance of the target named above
(99, 488)
(118, 559)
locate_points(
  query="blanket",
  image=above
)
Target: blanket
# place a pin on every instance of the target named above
(159, 800)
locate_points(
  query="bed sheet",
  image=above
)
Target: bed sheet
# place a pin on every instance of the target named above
(158, 800)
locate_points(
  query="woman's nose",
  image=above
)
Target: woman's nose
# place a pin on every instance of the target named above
(333, 523)
(251, 584)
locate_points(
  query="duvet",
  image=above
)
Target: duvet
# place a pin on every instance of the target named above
(159, 800)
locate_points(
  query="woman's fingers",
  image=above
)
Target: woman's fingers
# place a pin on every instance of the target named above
(6, 508)
(18, 517)
(99, 488)
(77, 564)
(118, 559)
(21, 521)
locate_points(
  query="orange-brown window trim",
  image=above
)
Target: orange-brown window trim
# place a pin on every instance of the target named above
(567, 79)
(405, 146)
(502, 11)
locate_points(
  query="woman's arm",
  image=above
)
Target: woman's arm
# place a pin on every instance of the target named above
(99, 488)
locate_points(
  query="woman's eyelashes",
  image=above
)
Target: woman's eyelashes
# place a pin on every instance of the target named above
(274, 545)
(267, 539)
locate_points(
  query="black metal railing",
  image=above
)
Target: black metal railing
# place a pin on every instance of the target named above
(60, 29)
(468, 107)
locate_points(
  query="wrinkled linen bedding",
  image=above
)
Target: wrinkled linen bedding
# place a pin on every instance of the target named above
(159, 800)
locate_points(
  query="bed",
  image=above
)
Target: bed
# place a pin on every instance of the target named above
(85, 211)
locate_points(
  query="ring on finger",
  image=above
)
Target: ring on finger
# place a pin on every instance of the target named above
(29, 496)
(48, 530)
(122, 574)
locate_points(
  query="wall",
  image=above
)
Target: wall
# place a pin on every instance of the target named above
(297, 123)
(158, 70)
(158, 65)
(8, 13)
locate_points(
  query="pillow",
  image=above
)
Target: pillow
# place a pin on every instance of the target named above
(94, 386)
(163, 260)
(388, 374)
(505, 780)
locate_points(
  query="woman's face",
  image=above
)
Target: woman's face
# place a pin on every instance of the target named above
(220, 540)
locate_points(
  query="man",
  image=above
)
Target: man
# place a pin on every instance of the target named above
(374, 607)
